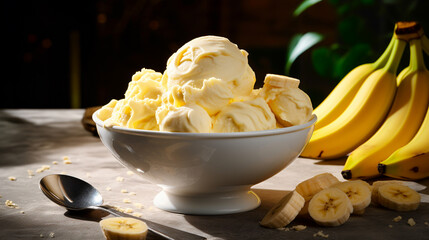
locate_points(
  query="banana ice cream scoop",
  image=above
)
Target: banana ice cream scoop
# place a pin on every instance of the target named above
(199, 61)
(212, 96)
(244, 115)
(290, 105)
(191, 118)
(137, 109)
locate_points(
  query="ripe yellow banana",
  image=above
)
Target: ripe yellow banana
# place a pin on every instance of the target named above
(412, 160)
(402, 75)
(362, 117)
(402, 122)
(342, 95)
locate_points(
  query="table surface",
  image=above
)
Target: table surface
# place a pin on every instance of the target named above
(33, 138)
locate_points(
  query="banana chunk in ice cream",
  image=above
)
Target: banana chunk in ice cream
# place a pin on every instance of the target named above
(290, 105)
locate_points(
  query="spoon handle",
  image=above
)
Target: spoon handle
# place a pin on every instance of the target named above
(161, 230)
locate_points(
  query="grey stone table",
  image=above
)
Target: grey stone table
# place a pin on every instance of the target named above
(35, 143)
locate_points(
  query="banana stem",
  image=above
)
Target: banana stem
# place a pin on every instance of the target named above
(425, 43)
(381, 61)
(416, 55)
(395, 56)
(408, 30)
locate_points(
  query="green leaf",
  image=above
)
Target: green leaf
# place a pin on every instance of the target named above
(357, 55)
(352, 30)
(303, 6)
(299, 44)
(324, 60)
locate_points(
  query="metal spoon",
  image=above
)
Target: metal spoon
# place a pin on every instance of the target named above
(76, 194)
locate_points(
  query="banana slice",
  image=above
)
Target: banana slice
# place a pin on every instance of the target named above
(123, 228)
(313, 185)
(330, 207)
(365, 183)
(284, 211)
(376, 185)
(358, 192)
(398, 197)
(280, 81)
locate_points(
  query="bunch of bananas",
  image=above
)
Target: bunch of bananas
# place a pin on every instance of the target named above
(379, 118)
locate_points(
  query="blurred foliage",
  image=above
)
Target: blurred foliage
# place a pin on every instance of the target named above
(304, 5)
(364, 29)
(299, 44)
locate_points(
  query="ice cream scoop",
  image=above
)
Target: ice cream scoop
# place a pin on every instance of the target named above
(137, 109)
(252, 114)
(209, 57)
(190, 118)
(212, 96)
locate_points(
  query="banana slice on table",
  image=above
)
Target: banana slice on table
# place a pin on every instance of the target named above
(284, 211)
(365, 183)
(398, 197)
(311, 186)
(330, 207)
(280, 81)
(376, 185)
(358, 192)
(120, 228)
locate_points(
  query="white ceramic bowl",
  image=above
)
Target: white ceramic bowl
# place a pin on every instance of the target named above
(206, 173)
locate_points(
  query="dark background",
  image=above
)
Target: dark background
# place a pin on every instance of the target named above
(51, 45)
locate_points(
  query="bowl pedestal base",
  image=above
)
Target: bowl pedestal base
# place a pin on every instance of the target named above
(210, 204)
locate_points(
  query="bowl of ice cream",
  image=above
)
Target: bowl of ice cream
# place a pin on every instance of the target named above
(201, 131)
(206, 173)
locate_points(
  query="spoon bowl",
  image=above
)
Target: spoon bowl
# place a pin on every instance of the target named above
(70, 192)
(75, 194)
